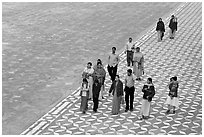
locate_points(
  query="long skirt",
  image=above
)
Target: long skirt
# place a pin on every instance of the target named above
(90, 80)
(116, 104)
(137, 70)
(84, 103)
(145, 107)
(173, 102)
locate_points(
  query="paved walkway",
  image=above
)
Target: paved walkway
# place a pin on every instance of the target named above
(181, 56)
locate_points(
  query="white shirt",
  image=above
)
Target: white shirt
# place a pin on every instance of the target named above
(89, 70)
(137, 56)
(113, 59)
(130, 80)
(129, 46)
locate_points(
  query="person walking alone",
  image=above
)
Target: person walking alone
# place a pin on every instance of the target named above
(160, 29)
(129, 90)
(129, 51)
(173, 27)
(113, 60)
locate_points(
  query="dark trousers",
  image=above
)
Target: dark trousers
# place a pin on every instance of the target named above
(129, 92)
(162, 35)
(95, 101)
(96, 91)
(112, 71)
(129, 58)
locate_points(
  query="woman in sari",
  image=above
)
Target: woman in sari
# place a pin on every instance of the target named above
(117, 92)
(138, 64)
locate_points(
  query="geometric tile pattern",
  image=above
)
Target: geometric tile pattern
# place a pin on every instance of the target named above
(181, 56)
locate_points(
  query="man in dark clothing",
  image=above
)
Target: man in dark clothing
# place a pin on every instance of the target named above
(160, 29)
(173, 27)
(96, 91)
(129, 90)
(113, 60)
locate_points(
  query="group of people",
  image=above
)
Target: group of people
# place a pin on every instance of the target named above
(93, 80)
(160, 28)
(94, 77)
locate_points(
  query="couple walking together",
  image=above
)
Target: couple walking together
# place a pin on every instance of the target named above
(160, 28)
(92, 85)
(135, 58)
(117, 91)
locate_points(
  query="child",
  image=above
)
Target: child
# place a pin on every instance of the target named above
(84, 96)
(172, 98)
(96, 91)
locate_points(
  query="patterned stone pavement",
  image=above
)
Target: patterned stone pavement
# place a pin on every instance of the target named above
(181, 56)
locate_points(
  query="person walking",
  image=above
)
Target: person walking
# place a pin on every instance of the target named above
(173, 27)
(172, 98)
(84, 93)
(100, 74)
(113, 60)
(117, 92)
(149, 92)
(129, 51)
(96, 90)
(160, 29)
(129, 90)
(138, 64)
(88, 74)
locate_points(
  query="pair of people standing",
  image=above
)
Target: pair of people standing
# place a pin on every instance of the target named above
(136, 58)
(117, 92)
(160, 28)
(95, 78)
